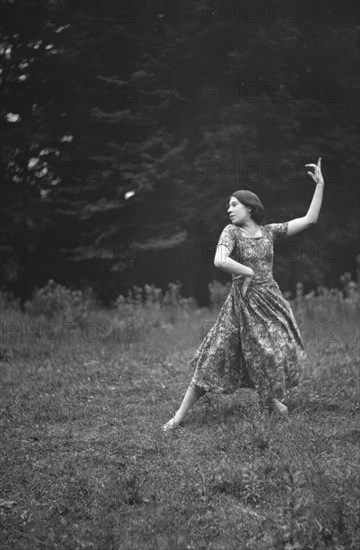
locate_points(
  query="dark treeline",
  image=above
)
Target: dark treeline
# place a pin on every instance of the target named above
(126, 125)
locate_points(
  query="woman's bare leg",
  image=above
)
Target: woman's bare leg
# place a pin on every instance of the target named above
(190, 397)
(279, 408)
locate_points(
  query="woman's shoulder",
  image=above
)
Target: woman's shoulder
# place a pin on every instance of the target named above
(230, 228)
(273, 226)
(228, 236)
(277, 230)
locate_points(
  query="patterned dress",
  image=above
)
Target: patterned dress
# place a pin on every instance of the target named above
(255, 342)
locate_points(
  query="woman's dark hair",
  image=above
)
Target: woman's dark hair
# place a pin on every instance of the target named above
(248, 198)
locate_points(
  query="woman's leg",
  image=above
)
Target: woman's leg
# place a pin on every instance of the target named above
(190, 397)
(274, 406)
(279, 408)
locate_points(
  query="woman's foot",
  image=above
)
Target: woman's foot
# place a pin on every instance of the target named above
(279, 408)
(170, 426)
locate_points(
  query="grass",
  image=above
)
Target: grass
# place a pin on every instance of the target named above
(86, 466)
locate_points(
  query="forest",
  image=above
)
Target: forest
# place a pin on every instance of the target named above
(126, 126)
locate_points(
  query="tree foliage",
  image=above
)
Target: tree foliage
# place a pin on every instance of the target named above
(126, 125)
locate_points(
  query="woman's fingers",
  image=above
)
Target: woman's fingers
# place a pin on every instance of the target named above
(319, 166)
(315, 165)
(244, 289)
(245, 286)
(316, 175)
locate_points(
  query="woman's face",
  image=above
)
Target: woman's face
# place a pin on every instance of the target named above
(237, 211)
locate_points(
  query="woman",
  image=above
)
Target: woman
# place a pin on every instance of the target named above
(255, 341)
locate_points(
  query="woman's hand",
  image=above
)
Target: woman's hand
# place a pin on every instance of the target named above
(245, 285)
(299, 224)
(316, 175)
(246, 282)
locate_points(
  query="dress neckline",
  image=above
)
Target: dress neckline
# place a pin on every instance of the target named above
(260, 236)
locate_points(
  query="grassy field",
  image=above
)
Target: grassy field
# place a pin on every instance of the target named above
(85, 464)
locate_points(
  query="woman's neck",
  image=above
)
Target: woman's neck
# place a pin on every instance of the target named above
(250, 227)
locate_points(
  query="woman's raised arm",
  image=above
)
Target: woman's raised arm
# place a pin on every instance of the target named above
(299, 224)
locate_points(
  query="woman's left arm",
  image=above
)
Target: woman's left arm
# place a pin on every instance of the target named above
(299, 224)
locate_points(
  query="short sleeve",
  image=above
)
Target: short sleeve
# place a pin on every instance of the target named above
(277, 231)
(227, 237)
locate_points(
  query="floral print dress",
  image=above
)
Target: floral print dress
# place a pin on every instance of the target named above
(255, 342)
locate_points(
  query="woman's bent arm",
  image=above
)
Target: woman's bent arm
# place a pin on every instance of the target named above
(223, 262)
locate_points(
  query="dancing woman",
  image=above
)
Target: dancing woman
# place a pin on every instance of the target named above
(255, 341)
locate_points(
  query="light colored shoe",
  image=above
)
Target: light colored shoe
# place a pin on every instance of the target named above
(280, 409)
(170, 426)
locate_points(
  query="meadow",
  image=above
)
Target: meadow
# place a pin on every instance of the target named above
(85, 464)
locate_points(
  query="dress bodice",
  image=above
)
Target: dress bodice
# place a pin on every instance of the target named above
(254, 252)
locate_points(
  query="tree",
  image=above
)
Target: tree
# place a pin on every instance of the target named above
(146, 116)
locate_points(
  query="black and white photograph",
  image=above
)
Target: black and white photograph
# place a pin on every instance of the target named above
(180, 273)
